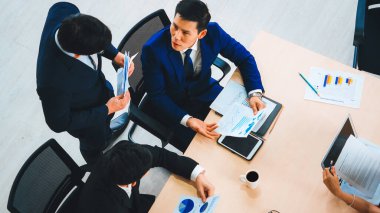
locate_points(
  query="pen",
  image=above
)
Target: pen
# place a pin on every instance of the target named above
(309, 84)
(331, 164)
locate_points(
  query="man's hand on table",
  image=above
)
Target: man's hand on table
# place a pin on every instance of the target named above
(203, 128)
(204, 188)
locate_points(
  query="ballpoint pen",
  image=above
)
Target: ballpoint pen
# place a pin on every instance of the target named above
(314, 90)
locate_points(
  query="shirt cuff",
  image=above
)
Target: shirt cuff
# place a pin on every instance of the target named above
(184, 120)
(196, 171)
(255, 90)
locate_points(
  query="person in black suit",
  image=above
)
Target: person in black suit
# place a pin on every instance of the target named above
(74, 93)
(113, 186)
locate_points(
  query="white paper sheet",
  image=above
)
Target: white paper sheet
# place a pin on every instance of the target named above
(238, 121)
(359, 166)
(344, 89)
(235, 93)
(189, 204)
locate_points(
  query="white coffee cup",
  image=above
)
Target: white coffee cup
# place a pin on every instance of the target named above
(251, 179)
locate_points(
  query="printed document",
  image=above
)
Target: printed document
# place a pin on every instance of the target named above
(359, 165)
(335, 87)
(122, 74)
(236, 93)
(238, 121)
(190, 204)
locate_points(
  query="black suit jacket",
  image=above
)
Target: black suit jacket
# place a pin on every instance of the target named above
(99, 196)
(73, 95)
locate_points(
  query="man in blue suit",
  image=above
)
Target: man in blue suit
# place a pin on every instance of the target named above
(74, 93)
(176, 64)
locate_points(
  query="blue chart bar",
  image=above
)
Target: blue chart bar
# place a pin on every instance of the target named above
(325, 81)
(240, 124)
(250, 126)
(336, 80)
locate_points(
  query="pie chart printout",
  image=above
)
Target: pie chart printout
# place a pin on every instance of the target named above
(186, 206)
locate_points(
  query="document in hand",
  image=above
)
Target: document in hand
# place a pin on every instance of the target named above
(189, 204)
(233, 100)
(359, 165)
(122, 74)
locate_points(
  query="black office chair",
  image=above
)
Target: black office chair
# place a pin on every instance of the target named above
(44, 181)
(367, 36)
(133, 42)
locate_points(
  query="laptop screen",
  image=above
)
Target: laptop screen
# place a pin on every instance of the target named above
(338, 143)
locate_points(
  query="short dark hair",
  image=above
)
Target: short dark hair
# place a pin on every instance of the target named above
(194, 10)
(125, 163)
(83, 34)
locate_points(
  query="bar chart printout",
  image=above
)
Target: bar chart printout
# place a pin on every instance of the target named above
(335, 87)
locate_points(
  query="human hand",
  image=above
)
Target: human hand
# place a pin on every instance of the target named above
(201, 127)
(331, 181)
(204, 188)
(131, 68)
(118, 102)
(119, 59)
(256, 104)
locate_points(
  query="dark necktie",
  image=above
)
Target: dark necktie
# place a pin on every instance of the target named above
(92, 62)
(188, 65)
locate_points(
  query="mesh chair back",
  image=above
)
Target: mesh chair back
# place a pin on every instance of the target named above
(134, 41)
(44, 180)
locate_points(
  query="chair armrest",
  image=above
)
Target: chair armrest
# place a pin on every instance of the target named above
(360, 22)
(223, 66)
(151, 125)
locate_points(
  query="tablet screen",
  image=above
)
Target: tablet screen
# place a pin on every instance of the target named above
(242, 146)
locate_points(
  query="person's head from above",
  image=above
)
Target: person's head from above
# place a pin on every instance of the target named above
(189, 24)
(126, 163)
(83, 34)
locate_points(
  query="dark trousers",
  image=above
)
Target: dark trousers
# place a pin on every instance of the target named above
(93, 141)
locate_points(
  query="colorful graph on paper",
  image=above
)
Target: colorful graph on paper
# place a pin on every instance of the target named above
(335, 87)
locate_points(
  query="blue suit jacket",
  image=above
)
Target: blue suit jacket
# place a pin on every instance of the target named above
(167, 89)
(73, 95)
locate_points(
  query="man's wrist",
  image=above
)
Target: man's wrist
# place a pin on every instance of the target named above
(185, 120)
(196, 172)
(255, 94)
